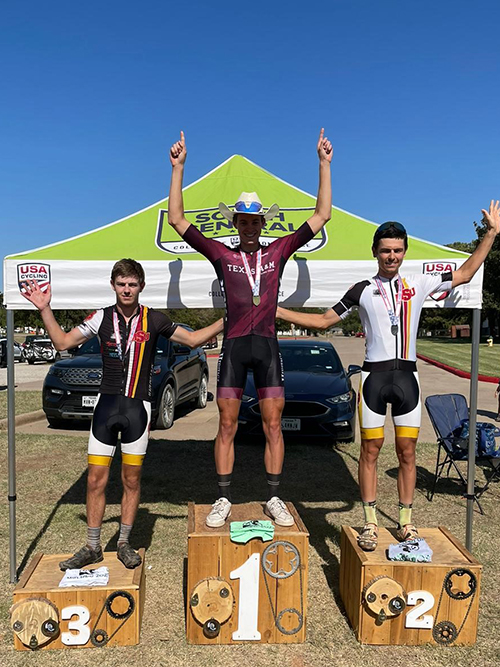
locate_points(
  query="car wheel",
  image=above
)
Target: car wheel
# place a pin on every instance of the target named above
(57, 356)
(167, 406)
(56, 423)
(201, 399)
(31, 361)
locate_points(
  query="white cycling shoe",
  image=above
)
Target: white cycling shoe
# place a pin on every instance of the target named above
(217, 516)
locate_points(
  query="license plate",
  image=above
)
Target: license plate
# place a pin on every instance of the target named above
(89, 401)
(290, 424)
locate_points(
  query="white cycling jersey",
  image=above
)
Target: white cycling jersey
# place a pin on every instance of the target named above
(384, 340)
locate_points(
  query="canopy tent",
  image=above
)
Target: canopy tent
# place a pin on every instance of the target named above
(79, 268)
(176, 276)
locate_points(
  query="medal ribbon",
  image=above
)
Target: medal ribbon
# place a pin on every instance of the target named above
(393, 316)
(133, 328)
(254, 284)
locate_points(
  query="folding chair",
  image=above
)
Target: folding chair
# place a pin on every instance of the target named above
(447, 412)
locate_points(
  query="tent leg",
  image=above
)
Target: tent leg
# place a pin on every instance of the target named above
(471, 462)
(11, 438)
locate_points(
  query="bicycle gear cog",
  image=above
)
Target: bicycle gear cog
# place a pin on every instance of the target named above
(120, 594)
(460, 595)
(272, 550)
(99, 638)
(289, 610)
(444, 632)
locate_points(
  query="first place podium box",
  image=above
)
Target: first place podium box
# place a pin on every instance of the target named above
(245, 592)
(394, 602)
(45, 616)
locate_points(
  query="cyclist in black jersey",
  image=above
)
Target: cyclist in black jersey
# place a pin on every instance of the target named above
(128, 332)
(390, 307)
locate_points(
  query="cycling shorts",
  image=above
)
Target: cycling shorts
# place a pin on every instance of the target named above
(257, 353)
(116, 414)
(394, 382)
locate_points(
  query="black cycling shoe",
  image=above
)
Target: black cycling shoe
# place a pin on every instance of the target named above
(128, 556)
(86, 556)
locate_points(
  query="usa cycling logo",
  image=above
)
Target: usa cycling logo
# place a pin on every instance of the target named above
(436, 269)
(35, 271)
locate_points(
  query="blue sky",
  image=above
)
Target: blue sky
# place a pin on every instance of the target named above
(94, 93)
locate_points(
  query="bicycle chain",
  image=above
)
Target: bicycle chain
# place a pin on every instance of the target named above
(282, 574)
(445, 632)
(100, 637)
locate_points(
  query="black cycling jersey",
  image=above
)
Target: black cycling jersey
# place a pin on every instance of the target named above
(127, 369)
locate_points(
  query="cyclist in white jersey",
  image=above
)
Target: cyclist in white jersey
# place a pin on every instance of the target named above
(389, 307)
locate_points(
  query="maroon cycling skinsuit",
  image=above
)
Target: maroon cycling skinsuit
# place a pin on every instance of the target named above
(249, 330)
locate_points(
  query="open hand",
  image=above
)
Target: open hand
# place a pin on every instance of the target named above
(34, 294)
(492, 217)
(325, 148)
(178, 152)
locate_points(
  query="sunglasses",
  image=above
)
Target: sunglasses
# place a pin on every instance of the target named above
(242, 207)
(387, 225)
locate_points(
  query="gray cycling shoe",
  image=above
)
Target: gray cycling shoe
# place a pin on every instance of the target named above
(86, 556)
(128, 556)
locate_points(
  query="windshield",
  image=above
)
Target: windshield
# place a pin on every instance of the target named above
(313, 359)
(91, 346)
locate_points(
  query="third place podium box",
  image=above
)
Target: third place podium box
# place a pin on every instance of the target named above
(393, 602)
(46, 616)
(253, 592)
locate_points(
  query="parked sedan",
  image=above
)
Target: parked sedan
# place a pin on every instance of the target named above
(179, 375)
(319, 398)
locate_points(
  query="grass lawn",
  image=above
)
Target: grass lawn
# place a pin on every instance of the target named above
(321, 482)
(457, 354)
(26, 401)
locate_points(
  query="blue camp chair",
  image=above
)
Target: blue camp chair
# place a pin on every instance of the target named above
(447, 413)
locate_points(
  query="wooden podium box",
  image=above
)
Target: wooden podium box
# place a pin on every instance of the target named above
(435, 602)
(277, 602)
(81, 612)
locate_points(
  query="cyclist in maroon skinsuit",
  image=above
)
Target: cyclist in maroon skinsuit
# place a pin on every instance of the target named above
(249, 276)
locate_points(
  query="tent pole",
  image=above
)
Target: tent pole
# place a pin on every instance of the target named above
(11, 438)
(471, 462)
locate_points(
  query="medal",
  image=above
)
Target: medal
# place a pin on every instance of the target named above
(393, 316)
(118, 337)
(254, 283)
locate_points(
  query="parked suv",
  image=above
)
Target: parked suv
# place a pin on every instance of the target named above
(179, 375)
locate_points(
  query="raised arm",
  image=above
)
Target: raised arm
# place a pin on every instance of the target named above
(323, 210)
(61, 339)
(178, 154)
(196, 338)
(309, 320)
(492, 219)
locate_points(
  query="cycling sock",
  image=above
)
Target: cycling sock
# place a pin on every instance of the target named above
(94, 537)
(124, 534)
(370, 511)
(273, 482)
(404, 513)
(224, 483)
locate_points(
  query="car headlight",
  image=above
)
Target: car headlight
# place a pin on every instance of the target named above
(58, 372)
(247, 399)
(341, 398)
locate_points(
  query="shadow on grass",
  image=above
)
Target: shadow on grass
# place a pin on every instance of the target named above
(176, 472)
